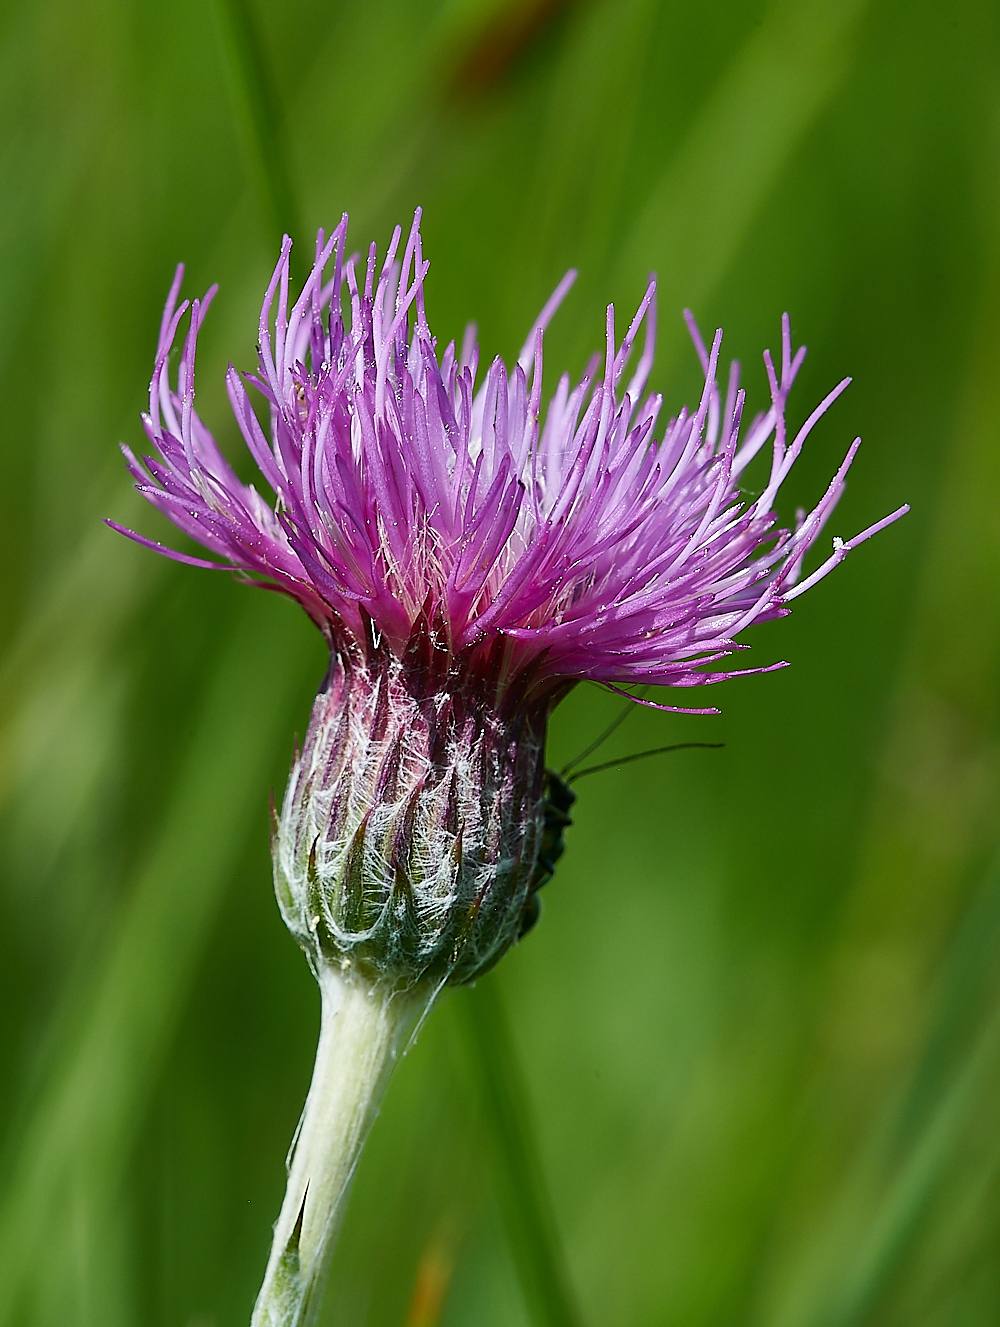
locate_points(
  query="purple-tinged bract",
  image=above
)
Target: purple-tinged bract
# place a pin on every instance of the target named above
(469, 556)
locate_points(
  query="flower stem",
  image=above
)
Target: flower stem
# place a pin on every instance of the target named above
(363, 1029)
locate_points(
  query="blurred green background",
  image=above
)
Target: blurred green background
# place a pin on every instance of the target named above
(759, 1025)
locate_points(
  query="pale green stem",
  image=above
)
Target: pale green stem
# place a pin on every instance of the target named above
(362, 1033)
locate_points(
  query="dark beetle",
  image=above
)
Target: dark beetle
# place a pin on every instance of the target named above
(559, 798)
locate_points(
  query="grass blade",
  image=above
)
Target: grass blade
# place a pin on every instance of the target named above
(91, 1108)
(528, 1219)
(260, 119)
(707, 198)
(898, 1198)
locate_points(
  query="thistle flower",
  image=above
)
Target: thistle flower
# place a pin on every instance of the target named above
(469, 557)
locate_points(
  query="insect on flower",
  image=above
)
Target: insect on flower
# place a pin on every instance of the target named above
(559, 799)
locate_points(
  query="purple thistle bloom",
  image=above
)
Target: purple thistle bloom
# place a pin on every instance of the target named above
(545, 553)
(468, 563)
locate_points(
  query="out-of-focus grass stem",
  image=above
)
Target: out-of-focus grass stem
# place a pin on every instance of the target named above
(258, 112)
(893, 1231)
(925, 830)
(524, 1201)
(892, 1198)
(710, 192)
(87, 1116)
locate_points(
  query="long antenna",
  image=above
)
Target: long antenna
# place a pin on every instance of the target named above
(638, 755)
(599, 741)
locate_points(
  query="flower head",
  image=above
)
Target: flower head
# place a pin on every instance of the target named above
(469, 556)
(411, 500)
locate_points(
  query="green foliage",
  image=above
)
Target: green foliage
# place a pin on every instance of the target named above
(758, 1022)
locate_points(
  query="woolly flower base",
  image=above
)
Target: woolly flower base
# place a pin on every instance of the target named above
(410, 828)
